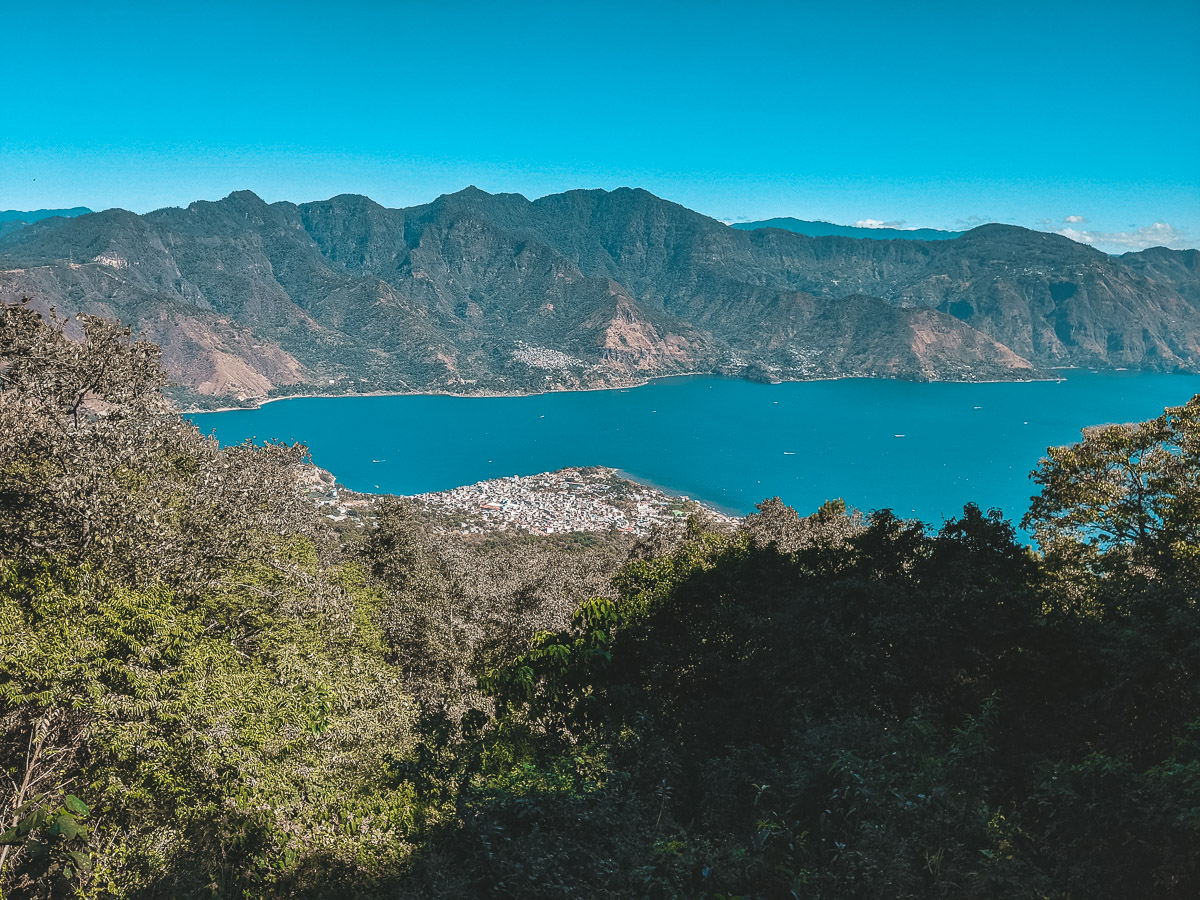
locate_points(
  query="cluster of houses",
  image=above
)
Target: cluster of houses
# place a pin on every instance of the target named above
(589, 499)
(594, 499)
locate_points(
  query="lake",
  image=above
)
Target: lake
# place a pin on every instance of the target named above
(922, 449)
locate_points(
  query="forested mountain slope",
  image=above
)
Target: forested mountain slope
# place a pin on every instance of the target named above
(480, 292)
(207, 690)
(15, 219)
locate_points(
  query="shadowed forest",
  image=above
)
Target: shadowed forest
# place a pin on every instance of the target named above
(208, 691)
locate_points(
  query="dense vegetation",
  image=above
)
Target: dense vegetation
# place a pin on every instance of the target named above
(204, 691)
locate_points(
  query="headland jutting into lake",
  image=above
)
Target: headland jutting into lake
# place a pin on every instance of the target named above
(923, 449)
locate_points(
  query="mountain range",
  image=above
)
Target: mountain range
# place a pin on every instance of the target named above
(828, 229)
(476, 293)
(14, 219)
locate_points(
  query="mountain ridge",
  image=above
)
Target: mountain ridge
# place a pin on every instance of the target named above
(478, 292)
(36, 215)
(15, 219)
(819, 228)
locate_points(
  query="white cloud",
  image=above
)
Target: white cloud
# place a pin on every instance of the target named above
(879, 223)
(1074, 220)
(1160, 234)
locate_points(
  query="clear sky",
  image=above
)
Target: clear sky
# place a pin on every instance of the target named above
(1056, 115)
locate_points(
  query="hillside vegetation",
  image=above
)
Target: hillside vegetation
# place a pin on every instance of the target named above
(478, 292)
(205, 691)
(15, 219)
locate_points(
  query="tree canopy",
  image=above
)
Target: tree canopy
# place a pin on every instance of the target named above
(206, 691)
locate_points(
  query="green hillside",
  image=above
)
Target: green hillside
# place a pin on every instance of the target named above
(14, 219)
(207, 690)
(36, 215)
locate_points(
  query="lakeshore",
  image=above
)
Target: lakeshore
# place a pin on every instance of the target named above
(482, 394)
(614, 386)
(571, 500)
(592, 498)
(921, 449)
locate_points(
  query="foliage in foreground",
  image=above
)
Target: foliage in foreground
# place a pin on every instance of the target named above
(204, 693)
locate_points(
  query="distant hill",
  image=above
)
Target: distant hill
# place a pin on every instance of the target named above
(477, 292)
(828, 229)
(10, 215)
(13, 219)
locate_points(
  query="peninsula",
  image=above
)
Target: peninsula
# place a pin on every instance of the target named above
(575, 499)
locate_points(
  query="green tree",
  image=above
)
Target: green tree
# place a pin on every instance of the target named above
(96, 466)
(1127, 493)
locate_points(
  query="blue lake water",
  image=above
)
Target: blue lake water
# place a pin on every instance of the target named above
(921, 449)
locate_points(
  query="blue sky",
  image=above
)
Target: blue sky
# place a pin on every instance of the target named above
(927, 114)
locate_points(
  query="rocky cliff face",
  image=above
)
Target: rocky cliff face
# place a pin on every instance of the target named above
(482, 292)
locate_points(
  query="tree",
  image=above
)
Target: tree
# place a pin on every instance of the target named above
(1128, 493)
(97, 466)
(183, 675)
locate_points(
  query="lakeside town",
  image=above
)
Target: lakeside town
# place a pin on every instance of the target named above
(592, 498)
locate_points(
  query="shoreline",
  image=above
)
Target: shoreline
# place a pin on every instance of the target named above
(482, 395)
(730, 511)
(737, 498)
(486, 395)
(550, 502)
